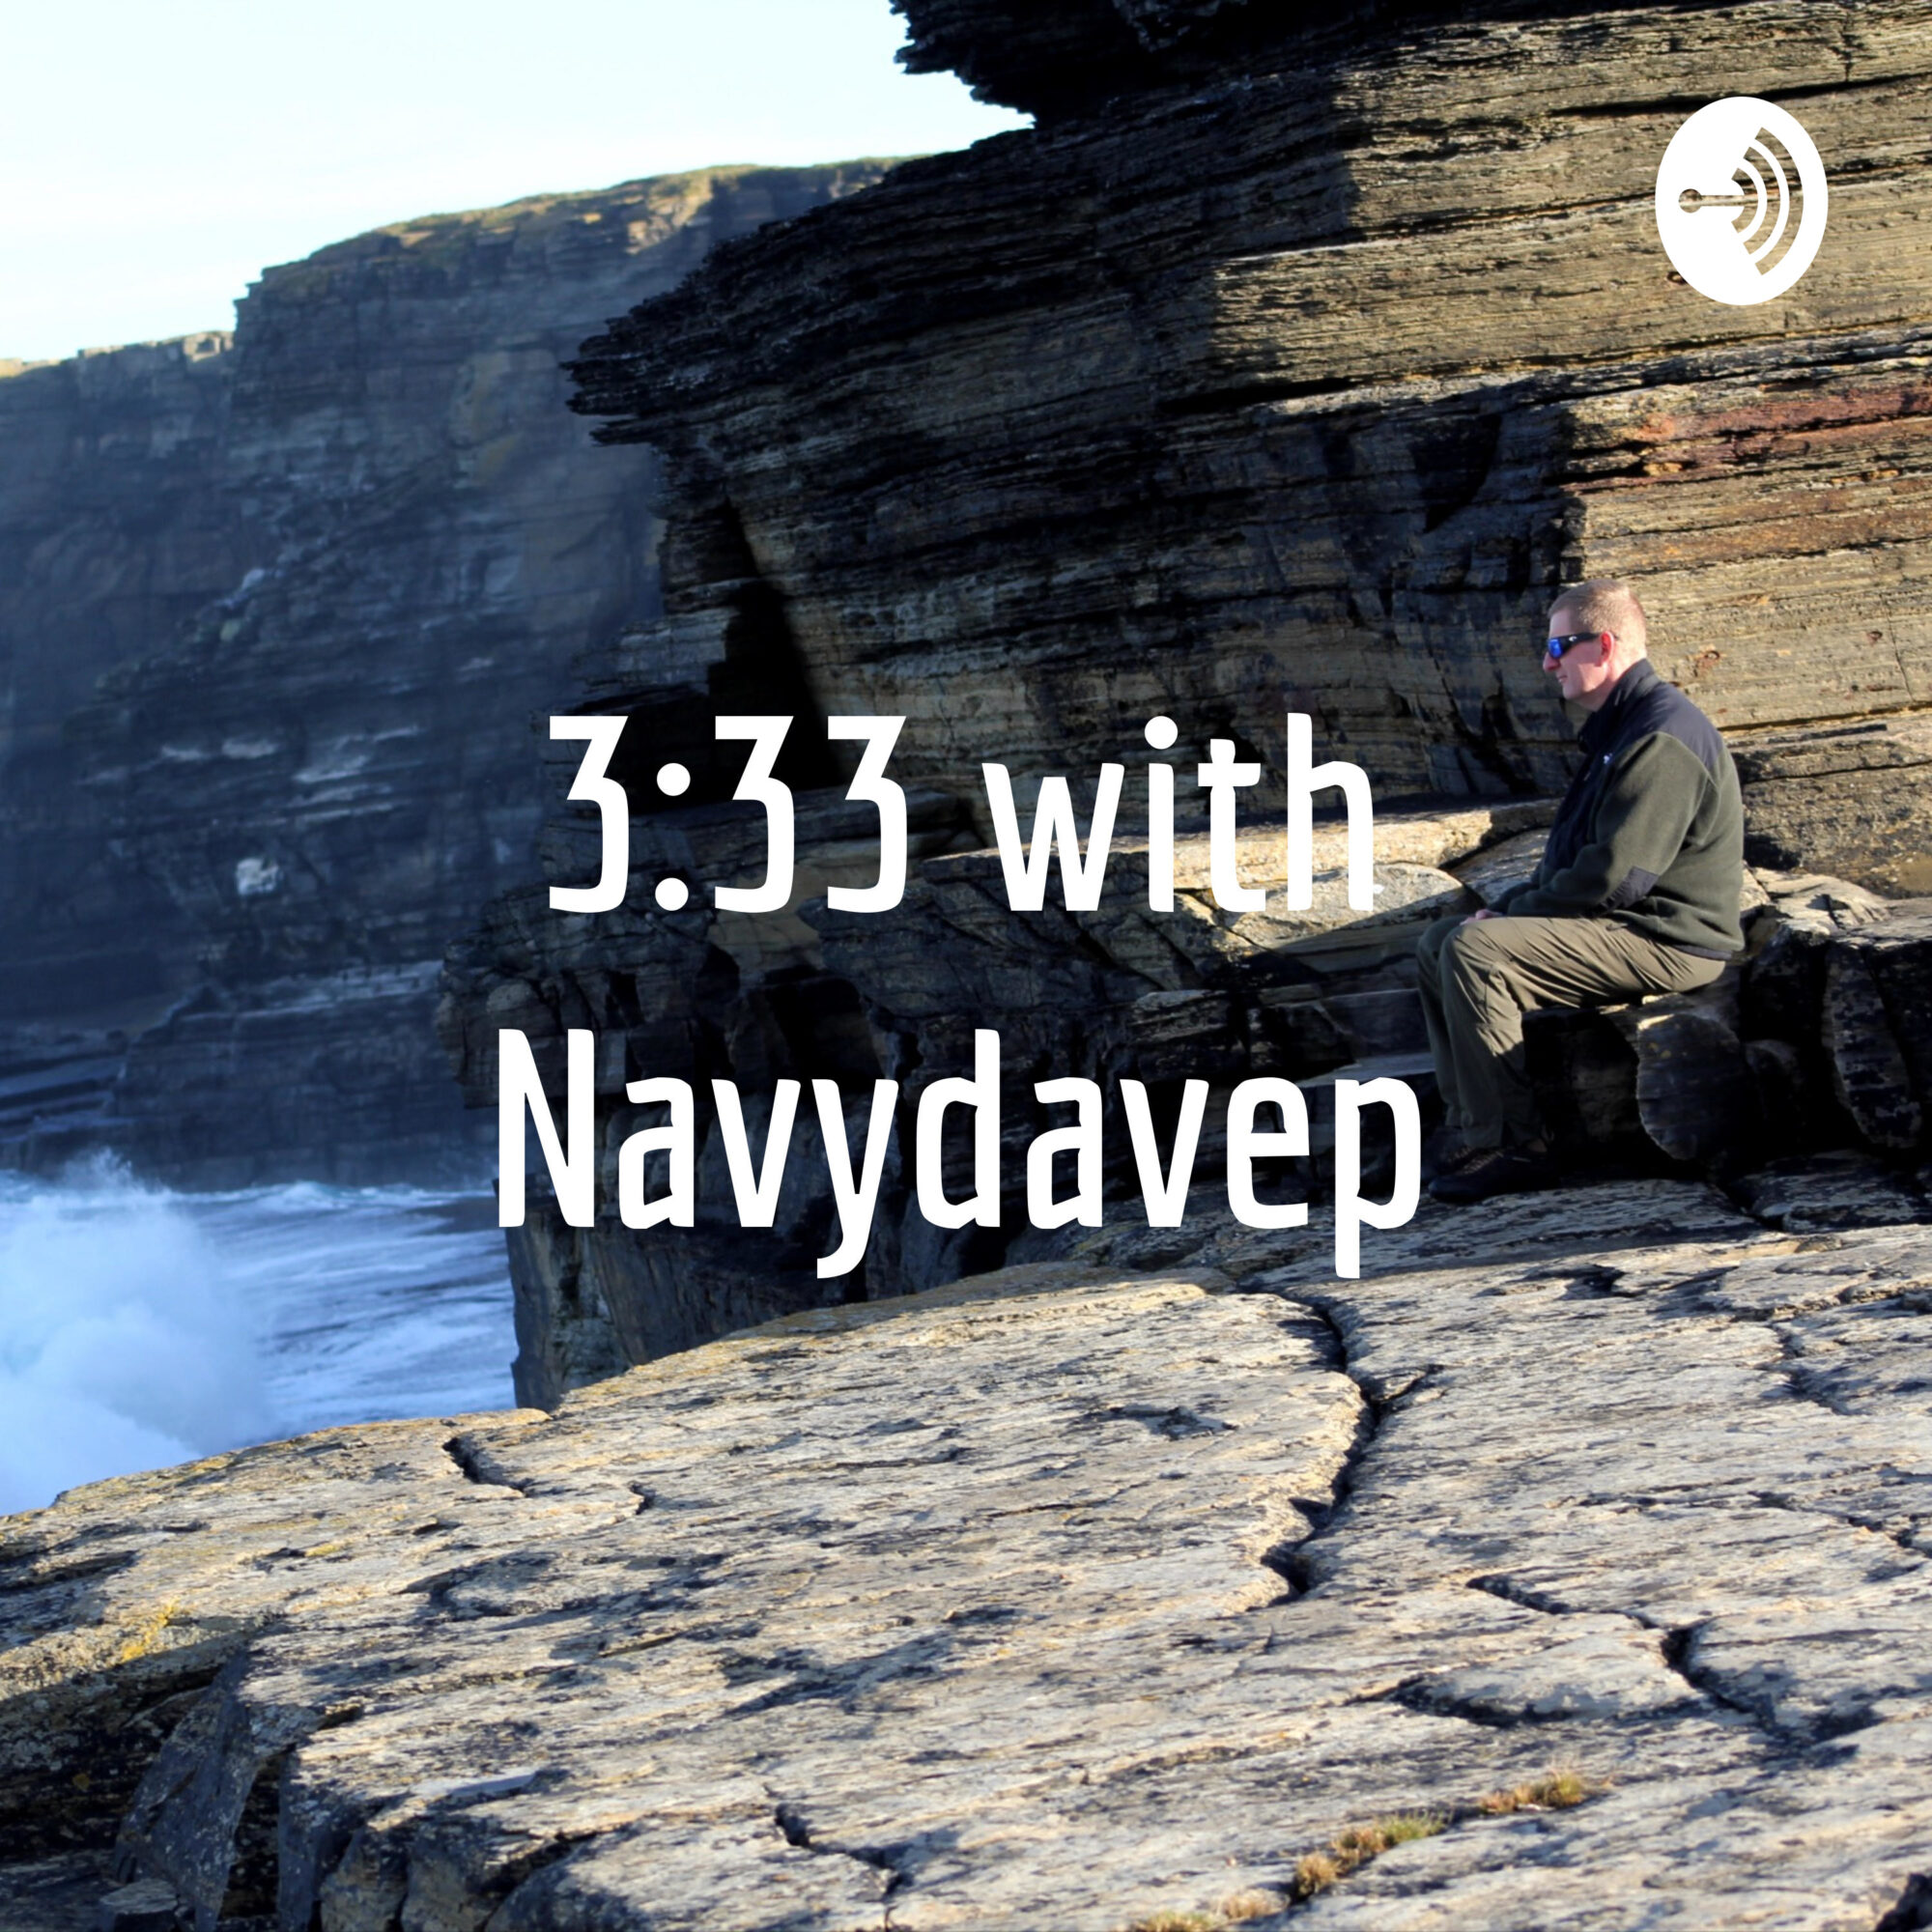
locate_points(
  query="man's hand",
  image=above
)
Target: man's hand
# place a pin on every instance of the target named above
(1488, 912)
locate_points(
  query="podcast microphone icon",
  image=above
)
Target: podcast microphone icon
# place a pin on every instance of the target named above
(1740, 201)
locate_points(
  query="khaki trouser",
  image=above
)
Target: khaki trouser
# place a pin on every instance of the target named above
(1479, 976)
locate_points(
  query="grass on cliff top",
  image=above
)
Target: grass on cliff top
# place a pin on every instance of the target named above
(1361, 1843)
(1236, 1910)
(1556, 1790)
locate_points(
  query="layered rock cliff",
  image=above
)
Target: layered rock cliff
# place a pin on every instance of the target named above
(113, 532)
(1312, 383)
(1292, 361)
(335, 568)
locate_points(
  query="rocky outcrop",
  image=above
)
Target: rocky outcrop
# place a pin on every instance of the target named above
(335, 570)
(1292, 363)
(1311, 382)
(1586, 1536)
(1816, 1040)
(1062, 59)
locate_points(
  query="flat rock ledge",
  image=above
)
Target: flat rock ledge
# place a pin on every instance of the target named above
(1062, 1598)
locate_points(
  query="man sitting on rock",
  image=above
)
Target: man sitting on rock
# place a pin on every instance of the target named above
(1637, 892)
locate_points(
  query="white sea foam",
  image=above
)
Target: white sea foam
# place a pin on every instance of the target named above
(140, 1328)
(122, 1343)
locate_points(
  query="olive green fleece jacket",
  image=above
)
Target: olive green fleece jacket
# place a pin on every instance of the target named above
(1652, 831)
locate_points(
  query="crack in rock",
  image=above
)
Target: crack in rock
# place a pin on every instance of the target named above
(892, 1861)
(1680, 1654)
(1294, 1560)
(1912, 1912)
(477, 1466)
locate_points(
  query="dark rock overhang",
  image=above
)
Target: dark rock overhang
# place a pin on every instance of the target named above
(1060, 59)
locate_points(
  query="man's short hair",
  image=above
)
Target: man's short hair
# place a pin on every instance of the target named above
(1605, 604)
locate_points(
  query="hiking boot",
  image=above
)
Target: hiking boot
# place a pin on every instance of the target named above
(1446, 1150)
(1507, 1170)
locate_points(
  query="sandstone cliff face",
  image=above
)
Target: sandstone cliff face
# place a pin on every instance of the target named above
(1074, 1600)
(1287, 364)
(332, 614)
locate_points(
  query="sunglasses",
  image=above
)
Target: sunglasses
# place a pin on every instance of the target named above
(1555, 647)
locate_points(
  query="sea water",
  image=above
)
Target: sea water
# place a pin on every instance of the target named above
(140, 1328)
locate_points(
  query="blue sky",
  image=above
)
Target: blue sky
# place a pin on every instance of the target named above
(153, 158)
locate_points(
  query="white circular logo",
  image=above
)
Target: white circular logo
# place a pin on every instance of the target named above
(1740, 201)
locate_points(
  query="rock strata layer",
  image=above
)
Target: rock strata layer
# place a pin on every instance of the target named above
(1817, 1039)
(333, 570)
(1089, 1600)
(112, 535)
(1308, 383)
(1292, 361)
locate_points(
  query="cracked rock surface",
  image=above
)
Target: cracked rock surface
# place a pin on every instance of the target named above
(1064, 1597)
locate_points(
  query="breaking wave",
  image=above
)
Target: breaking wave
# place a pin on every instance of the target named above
(140, 1328)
